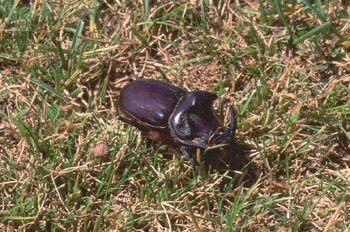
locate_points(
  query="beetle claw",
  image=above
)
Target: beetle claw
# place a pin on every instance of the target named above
(189, 158)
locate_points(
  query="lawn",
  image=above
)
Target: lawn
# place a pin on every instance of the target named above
(68, 164)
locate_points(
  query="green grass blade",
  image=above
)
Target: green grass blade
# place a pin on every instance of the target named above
(280, 13)
(320, 29)
(49, 89)
(324, 20)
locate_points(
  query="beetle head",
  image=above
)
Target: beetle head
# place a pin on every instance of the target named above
(193, 121)
(225, 135)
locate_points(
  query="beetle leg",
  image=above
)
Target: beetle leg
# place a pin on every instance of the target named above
(153, 145)
(189, 158)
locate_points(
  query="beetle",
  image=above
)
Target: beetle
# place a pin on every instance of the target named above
(170, 115)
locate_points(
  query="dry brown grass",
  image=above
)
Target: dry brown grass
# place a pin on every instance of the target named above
(68, 165)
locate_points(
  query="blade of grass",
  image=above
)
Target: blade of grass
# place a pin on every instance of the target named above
(246, 104)
(190, 61)
(263, 15)
(324, 20)
(280, 13)
(316, 30)
(49, 89)
(146, 10)
(138, 35)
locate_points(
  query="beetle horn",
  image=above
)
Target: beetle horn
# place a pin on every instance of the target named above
(225, 135)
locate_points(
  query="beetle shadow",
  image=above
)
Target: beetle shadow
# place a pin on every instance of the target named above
(236, 164)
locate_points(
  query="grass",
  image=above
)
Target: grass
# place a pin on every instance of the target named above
(67, 165)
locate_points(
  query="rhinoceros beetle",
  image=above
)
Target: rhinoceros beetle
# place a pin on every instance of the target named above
(168, 114)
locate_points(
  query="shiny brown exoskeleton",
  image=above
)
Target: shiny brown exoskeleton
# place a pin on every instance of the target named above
(170, 115)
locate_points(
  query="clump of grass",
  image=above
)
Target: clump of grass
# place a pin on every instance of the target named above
(67, 164)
